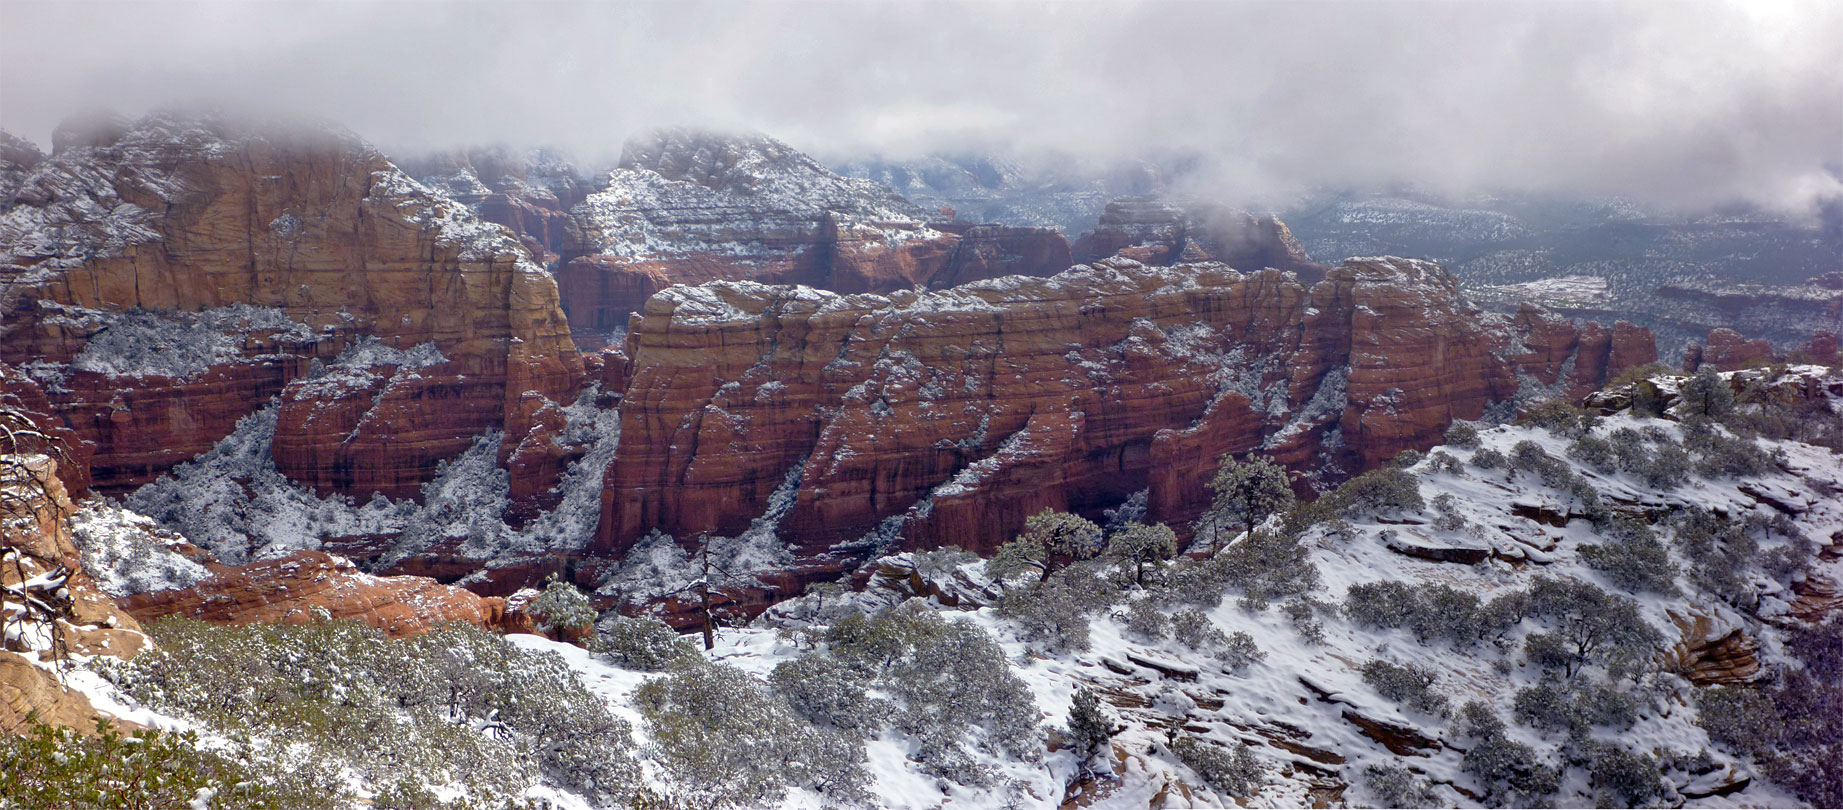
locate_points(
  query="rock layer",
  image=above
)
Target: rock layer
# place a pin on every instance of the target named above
(290, 589)
(314, 240)
(952, 415)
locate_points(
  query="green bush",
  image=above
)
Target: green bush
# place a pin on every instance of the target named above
(456, 706)
(55, 767)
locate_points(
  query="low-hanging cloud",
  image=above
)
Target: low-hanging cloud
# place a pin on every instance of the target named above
(1681, 102)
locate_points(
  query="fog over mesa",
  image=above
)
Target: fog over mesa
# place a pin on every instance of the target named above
(1679, 103)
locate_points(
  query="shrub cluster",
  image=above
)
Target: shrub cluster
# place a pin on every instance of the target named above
(1231, 771)
(456, 705)
(1411, 685)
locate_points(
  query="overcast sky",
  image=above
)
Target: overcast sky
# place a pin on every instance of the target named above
(1673, 102)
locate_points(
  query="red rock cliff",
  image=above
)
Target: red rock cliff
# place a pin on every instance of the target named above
(167, 277)
(954, 414)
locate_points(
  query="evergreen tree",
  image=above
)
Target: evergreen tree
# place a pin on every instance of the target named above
(1089, 723)
(1707, 394)
(1140, 546)
(561, 607)
(1047, 535)
(1248, 492)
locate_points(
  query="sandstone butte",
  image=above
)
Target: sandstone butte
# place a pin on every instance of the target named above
(948, 414)
(955, 414)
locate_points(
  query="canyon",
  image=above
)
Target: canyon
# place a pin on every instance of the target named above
(917, 380)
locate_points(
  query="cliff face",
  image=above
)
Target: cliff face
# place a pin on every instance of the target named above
(166, 277)
(690, 207)
(952, 415)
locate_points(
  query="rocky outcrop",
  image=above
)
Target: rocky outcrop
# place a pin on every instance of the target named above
(1576, 359)
(166, 278)
(687, 207)
(292, 588)
(53, 608)
(1159, 232)
(1726, 350)
(950, 416)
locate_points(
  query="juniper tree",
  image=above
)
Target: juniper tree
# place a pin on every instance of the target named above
(1706, 394)
(1140, 545)
(1248, 492)
(561, 607)
(1089, 724)
(1047, 536)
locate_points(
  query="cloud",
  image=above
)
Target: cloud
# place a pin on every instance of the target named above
(1687, 102)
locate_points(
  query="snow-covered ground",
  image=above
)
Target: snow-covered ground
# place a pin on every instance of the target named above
(1306, 708)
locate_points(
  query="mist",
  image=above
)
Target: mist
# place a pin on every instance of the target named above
(1680, 103)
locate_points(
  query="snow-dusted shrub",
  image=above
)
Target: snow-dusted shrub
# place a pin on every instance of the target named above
(1444, 462)
(1626, 779)
(1462, 434)
(1229, 770)
(1558, 709)
(1668, 468)
(1143, 618)
(829, 692)
(1550, 652)
(1559, 417)
(1596, 453)
(1395, 786)
(1090, 727)
(51, 766)
(1529, 456)
(1407, 458)
(1728, 457)
(1433, 612)
(1820, 647)
(1509, 772)
(725, 740)
(644, 644)
(1742, 719)
(1446, 517)
(1267, 565)
(1376, 493)
(1055, 613)
(1303, 613)
(1503, 612)
(1594, 626)
(458, 701)
(1411, 685)
(561, 606)
(1721, 552)
(1633, 558)
(1238, 652)
(1489, 459)
(1193, 629)
(952, 686)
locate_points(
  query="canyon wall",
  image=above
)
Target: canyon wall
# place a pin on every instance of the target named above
(162, 278)
(952, 415)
